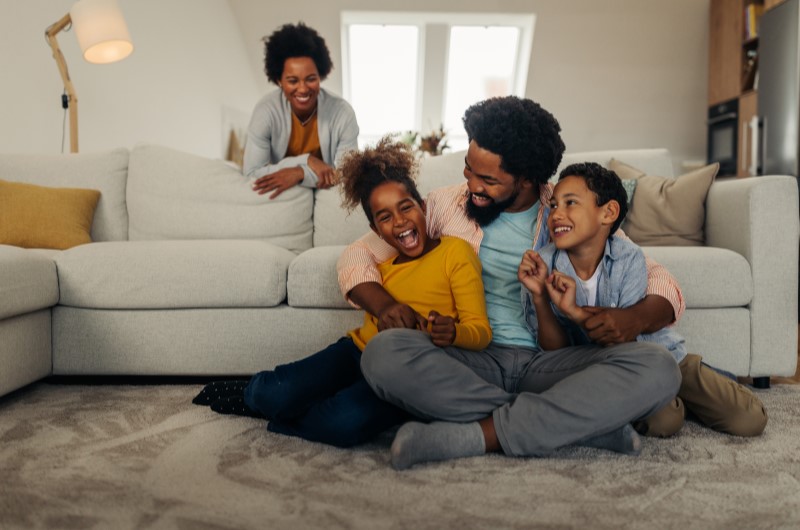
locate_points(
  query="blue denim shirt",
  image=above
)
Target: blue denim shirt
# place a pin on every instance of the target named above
(622, 282)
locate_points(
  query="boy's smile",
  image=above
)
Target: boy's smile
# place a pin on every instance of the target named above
(400, 221)
(576, 221)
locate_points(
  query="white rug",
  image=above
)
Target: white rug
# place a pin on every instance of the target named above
(145, 457)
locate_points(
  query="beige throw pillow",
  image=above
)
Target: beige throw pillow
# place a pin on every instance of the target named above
(667, 211)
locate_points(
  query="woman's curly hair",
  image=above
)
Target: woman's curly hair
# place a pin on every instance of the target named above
(360, 172)
(604, 183)
(295, 41)
(521, 132)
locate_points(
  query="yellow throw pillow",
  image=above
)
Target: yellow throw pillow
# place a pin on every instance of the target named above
(667, 211)
(41, 217)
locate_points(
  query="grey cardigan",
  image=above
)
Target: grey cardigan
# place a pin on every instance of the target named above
(271, 126)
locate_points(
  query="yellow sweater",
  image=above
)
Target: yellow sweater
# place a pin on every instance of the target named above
(448, 280)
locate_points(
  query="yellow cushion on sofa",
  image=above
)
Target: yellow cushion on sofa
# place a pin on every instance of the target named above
(41, 217)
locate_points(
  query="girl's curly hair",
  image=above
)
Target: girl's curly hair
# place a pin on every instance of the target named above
(295, 41)
(360, 172)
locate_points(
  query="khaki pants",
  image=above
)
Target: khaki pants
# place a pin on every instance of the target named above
(717, 401)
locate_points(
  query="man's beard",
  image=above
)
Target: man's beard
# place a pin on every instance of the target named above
(484, 215)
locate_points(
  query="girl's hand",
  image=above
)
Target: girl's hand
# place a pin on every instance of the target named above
(532, 273)
(442, 329)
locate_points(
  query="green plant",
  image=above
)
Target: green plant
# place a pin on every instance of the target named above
(432, 144)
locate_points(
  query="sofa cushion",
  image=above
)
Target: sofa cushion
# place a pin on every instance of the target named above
(333, 225)
(312, 279)
(34, 216)
(105, 172)
(440, 171)
(28, 281)
(177, 195)
(649, 161)
(709, 277)
(173, 274)
(667, 211)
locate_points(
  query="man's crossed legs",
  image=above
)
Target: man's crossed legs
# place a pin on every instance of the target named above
(537, 401)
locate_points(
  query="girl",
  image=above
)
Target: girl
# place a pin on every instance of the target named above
(325, 397)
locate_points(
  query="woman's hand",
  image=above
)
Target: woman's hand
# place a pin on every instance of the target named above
(326, 175)
(278, 182)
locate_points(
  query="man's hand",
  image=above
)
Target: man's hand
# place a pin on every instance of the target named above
(326, 175)
(608, 325)
(400, 316)
(443, 329)
(278, 182)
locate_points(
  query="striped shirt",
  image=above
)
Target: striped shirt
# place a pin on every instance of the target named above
(446, 215)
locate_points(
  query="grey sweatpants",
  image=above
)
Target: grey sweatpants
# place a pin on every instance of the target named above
(539, 400)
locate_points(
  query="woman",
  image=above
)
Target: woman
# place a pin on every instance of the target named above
(298, 133)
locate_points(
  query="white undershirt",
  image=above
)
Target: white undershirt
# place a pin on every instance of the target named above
(589, 287)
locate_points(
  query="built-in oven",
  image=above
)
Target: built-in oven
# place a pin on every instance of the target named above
(723, 137)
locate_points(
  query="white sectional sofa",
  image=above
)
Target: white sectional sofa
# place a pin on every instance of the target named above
(191, 273)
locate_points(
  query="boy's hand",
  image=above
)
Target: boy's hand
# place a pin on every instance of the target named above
(532, 273)
(562, 289)
(443, 329)
(400, 316)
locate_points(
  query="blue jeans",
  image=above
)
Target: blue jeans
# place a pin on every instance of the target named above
(322, 398)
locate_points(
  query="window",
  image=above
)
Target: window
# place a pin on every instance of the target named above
(416, 71)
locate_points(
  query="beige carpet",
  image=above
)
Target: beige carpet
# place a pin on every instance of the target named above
(145, 457)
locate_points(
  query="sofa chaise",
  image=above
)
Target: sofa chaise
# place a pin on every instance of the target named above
(191, 273)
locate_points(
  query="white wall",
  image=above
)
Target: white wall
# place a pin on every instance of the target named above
(616, 73)
(189, 65)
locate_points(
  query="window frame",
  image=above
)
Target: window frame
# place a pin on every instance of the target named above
(432, 64)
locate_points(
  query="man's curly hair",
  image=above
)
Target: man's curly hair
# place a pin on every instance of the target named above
(604, 183)
(521, 132)
(360, 172)
(295, 41)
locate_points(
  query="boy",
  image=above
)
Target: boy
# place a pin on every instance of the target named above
(586, 265)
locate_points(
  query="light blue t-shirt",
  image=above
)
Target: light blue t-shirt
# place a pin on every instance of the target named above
(504, 241)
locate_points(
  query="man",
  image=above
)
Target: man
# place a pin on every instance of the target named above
(514, 396)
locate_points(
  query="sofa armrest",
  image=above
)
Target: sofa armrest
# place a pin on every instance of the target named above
(758, 218)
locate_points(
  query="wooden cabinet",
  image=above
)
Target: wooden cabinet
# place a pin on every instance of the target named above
(725, 50)
(748, 108)
(733, 63)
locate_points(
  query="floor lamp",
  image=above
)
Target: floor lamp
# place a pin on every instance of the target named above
(103, 37)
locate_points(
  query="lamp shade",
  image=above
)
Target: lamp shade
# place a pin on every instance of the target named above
(101, 31)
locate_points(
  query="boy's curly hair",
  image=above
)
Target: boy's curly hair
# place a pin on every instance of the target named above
(604, 183)
(360, 172)
(295, 41)
(521, 132)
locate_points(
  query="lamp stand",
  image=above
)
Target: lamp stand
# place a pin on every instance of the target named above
(72, 98)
